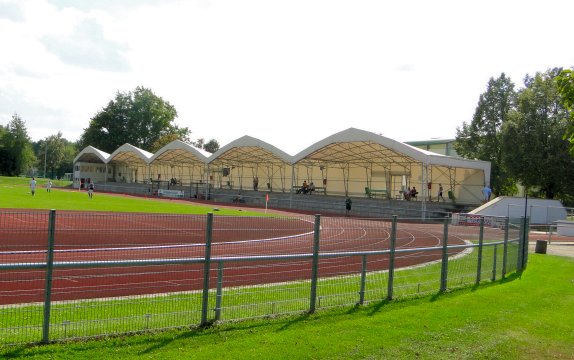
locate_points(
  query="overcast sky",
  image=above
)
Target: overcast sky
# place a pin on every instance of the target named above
(287, 72)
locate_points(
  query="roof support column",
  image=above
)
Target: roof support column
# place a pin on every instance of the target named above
(424, 189)
(292, 185)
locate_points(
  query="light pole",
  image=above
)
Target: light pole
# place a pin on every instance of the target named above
(45, 157)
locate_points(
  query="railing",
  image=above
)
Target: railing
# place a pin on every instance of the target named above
(104, 274)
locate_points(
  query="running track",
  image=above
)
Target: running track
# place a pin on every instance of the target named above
(105, 237)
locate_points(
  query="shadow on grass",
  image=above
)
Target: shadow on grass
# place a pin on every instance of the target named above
(295, 320)
(163, 342)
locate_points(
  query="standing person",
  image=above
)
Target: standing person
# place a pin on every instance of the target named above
(33, 186)
(348, 204)
(414, 192)
(91, 189)
(487, 191)
(255, 183)
(439, 197)
(49, 186)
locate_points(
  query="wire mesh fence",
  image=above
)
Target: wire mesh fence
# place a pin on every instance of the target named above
(75, 275)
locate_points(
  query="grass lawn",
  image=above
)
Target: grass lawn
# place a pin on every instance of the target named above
(526, 317)
(15, 194)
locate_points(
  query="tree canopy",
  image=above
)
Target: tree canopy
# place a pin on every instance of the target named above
(565, 82)
(211, 146)
(535, 150)
(140, 118)
(55, 155)
(16, 154)
(481, 139)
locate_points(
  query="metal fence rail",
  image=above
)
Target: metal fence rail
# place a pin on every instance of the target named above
(74, 275)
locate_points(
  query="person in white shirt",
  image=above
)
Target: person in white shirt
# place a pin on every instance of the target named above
(33, 186)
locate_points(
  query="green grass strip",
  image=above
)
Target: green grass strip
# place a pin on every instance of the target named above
(526, 317)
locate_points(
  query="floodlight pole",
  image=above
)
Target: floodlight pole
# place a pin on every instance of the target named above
(45, 156)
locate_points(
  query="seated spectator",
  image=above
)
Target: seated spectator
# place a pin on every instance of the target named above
(311, 188)
(303, 188)
(238, 198)
(407, 193)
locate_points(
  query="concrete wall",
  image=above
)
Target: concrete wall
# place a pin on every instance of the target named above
(540, 211)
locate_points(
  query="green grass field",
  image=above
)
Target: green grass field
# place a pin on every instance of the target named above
(15, 194)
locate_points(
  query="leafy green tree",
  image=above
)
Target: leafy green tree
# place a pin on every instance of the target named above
(140, 118)
(565, 82)
(211, 146)
(66, 166)
(55, 153)
(481, 139)
(3, 151)
(16, 154)
(535, 150)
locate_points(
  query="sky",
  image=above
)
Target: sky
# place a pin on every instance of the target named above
(289, 73)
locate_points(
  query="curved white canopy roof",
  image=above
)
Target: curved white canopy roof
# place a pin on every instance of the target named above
(363, 148)
(249, 150)
(179, 152)
(349, 147)
(92, 155)
(130, 154)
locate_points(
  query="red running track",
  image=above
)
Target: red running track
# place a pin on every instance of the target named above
(120, 237)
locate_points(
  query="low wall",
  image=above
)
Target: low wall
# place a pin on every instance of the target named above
(565, 227)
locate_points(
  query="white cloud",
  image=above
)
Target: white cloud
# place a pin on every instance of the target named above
(288, 72)
(87, 47)
(11, 11)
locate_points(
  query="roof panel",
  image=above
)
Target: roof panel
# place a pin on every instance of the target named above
(178, 152)
(131, 155)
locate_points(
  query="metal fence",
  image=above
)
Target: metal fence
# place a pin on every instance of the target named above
(75, 274)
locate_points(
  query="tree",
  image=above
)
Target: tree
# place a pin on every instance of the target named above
(16, 154)
(565, 82)
(481, 139)
(54, 152)
(140, 118)
(535, 150)
(70, 152)
(211, 146)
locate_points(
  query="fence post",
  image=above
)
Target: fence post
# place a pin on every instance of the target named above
(219, 296)
(480, 244)
(520, 252)
(363, 280)
(49, 274)
(393, 245)
(206, 268)
(315, 266)
(444, 262)
(494, 264)
(505, 248)
(526, 238)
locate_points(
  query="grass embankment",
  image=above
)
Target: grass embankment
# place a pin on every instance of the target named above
(529, 317)
(15, 194)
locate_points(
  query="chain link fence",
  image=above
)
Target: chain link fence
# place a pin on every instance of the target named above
(70, 275)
